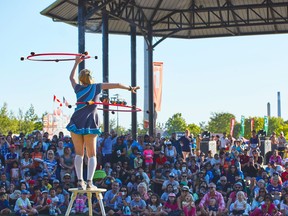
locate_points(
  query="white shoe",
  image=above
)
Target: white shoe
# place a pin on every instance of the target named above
(90, 185)
(81, 185)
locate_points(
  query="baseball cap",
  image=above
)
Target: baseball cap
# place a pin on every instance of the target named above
(171, 195)
(24, 192)
(172, 175)
(261, 181)
(12, 146)
(56, 181)
(238, 183)
(44, 191)
(185, 188)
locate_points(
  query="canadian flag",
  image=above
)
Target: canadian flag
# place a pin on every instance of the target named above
(65, 102)
(55, 99)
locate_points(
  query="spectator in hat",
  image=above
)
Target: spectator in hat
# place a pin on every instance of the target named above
(4, 181)
(161, 160)
(67, 183)
(260, 185)
(170, 152)
(138, 161)
(165, 194)
(44, 203)
(172, 181)
(232, 197)
(170, 206)
(204, 203)
(23, 205)
(55, 183)
(184, 191)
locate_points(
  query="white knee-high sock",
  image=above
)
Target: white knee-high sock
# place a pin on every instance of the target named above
(78, 161)
(92, 163)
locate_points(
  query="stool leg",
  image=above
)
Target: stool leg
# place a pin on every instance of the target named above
(89, 196)
(73, 197)
(100, 200)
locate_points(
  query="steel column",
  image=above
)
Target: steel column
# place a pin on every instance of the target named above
(133, 80)
(105, 63)
(150, 81)
(81, 30)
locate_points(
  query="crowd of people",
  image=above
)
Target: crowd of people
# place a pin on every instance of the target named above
(147, 176)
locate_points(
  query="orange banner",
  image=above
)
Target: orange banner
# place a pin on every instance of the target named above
(157, 87)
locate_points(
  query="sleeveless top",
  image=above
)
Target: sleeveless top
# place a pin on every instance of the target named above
(85, 118)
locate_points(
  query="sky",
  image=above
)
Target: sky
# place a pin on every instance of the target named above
(239, 75)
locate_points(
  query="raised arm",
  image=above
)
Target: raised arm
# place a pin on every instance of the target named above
(73, 77)
(119, 86)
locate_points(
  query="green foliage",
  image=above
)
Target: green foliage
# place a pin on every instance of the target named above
(22, 123)
(194, 129)
(176, 123)
(220, 122)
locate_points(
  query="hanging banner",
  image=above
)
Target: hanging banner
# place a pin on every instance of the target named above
(232, 124)
(266, 121)
(242, 132)
(157, 85)
(252, 124)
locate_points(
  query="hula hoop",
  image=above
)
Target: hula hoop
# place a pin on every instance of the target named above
(118, 107)
(33, 56)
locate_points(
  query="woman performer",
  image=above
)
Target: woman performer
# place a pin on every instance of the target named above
(84, 124)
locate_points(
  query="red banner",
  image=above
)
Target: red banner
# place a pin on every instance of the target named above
(252, 124)
(157, 87)
(232, 124)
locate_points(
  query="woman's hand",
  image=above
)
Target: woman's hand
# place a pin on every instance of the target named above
(133, 89)
(79, 59)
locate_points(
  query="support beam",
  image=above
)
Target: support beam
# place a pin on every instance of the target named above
(133, 80)
(150, 81)
(81, 30)
(105, 63)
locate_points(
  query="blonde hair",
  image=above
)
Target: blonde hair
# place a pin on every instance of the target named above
(85, 77)
(241, 193)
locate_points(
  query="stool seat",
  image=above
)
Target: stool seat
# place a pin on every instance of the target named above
(98, 192)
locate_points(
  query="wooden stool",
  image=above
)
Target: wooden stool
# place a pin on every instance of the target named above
(89, 193)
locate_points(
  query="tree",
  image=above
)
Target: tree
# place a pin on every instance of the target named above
(30, 119)
(220, 122)
(194, 129)
(176, 123)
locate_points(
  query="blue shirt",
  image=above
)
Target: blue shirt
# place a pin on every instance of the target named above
(141, 204)
(107, 147)
(108, 197)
